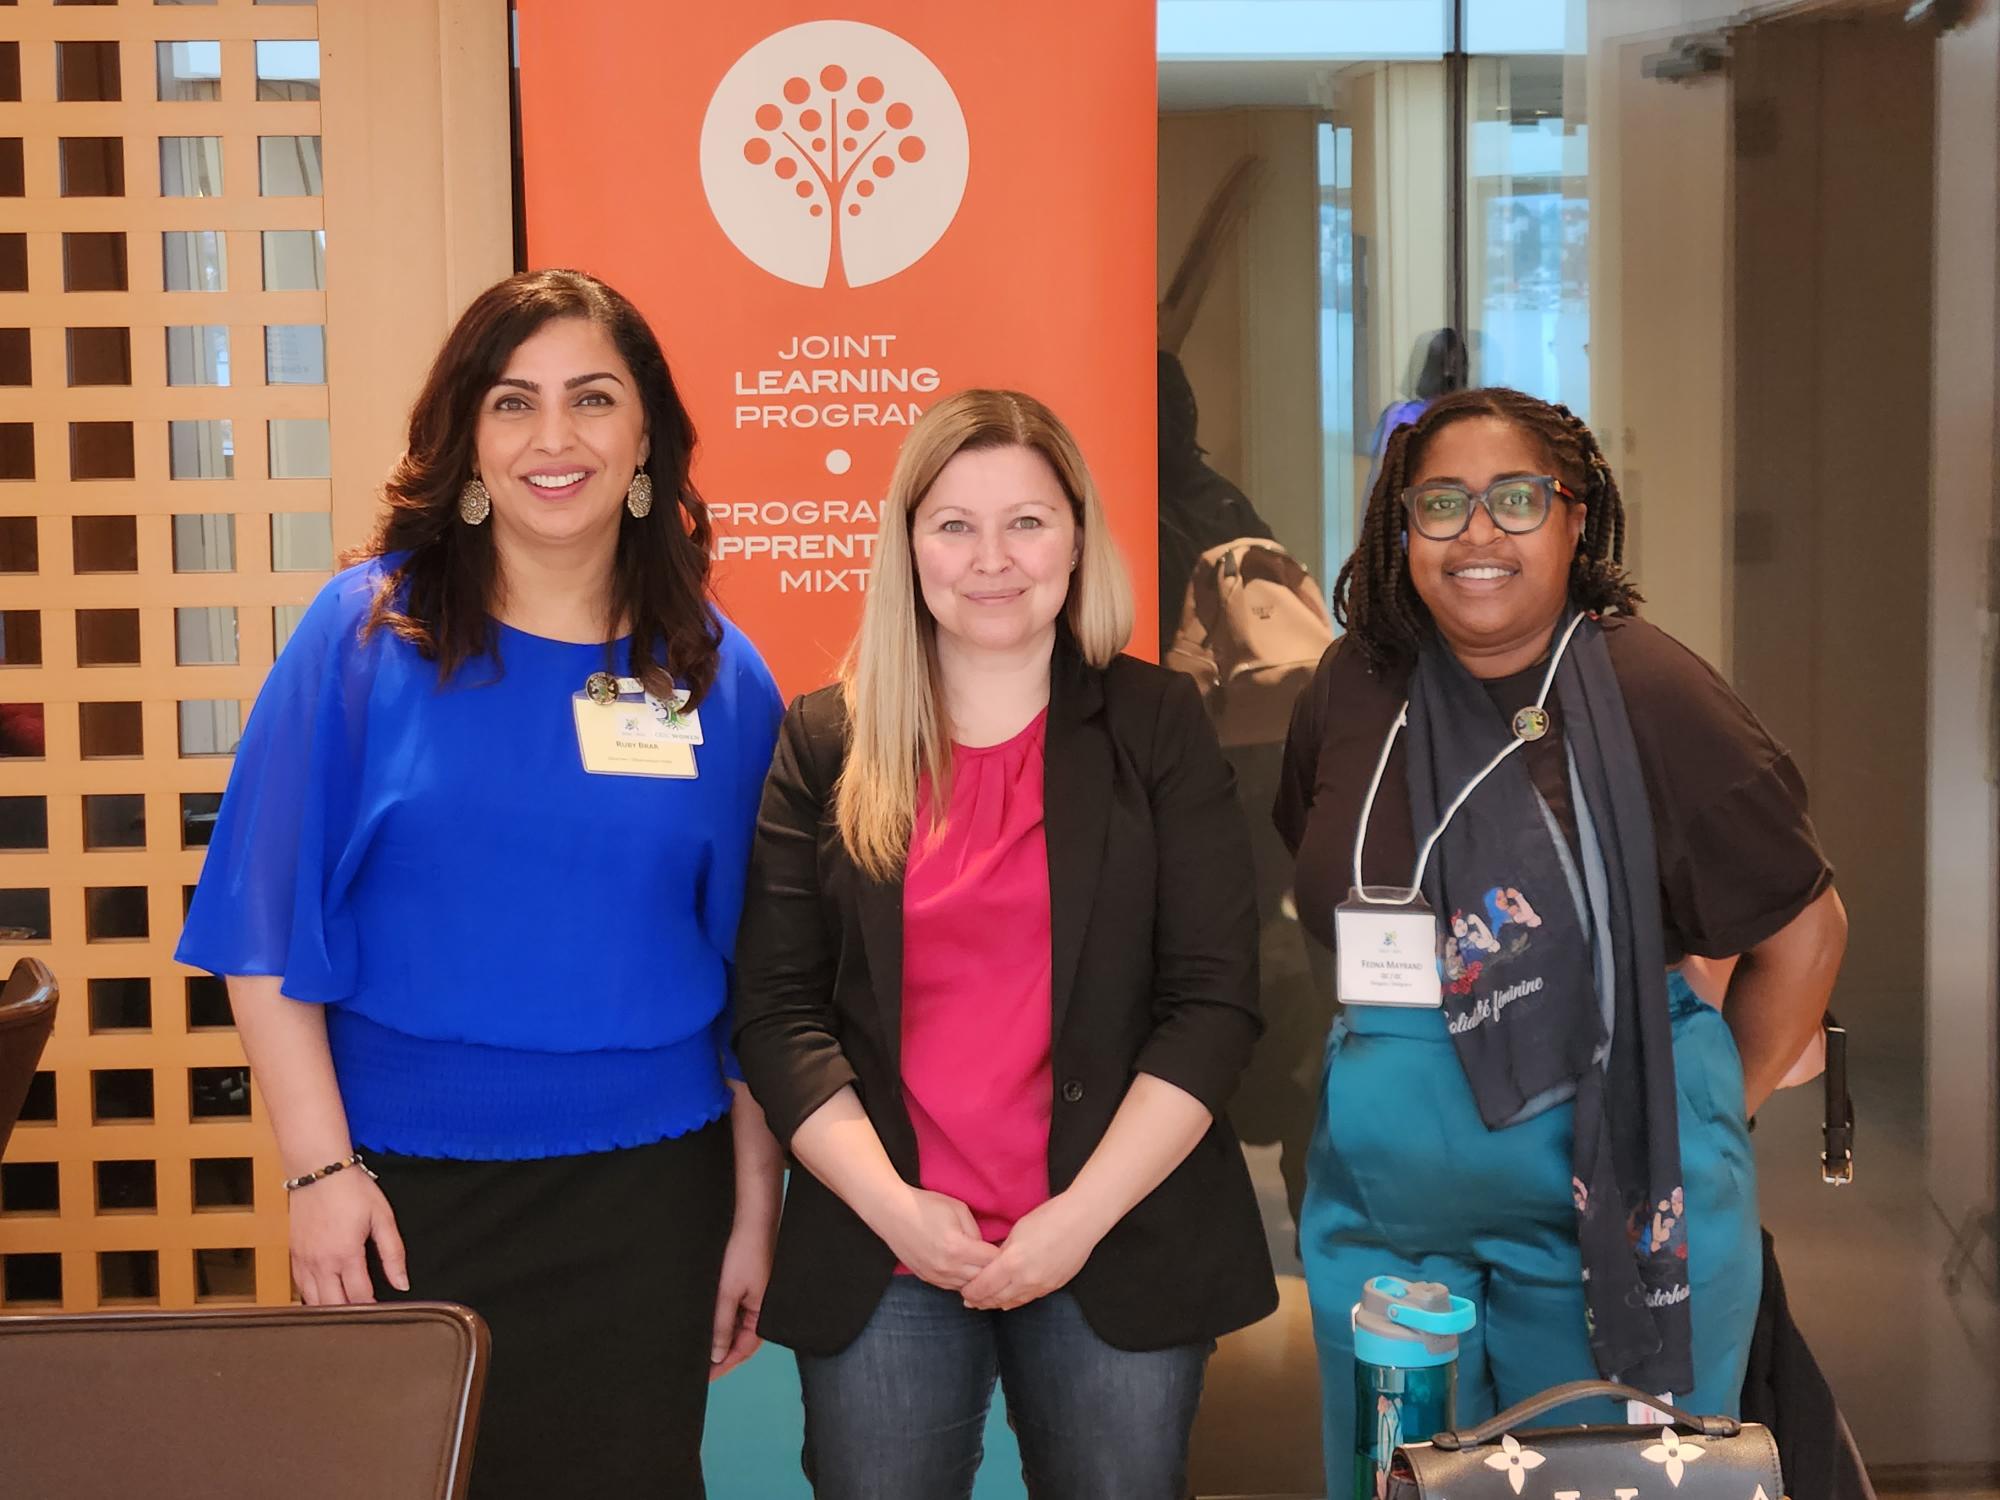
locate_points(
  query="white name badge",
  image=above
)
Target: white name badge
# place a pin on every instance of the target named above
(634, 737)
(1388, 952)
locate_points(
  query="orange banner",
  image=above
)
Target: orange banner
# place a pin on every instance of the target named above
(834, 217)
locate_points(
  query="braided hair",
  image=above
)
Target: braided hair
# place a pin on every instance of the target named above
(1374, 599)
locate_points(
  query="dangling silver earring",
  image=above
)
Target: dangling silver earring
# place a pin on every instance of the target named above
(639, 496)
(474, 504)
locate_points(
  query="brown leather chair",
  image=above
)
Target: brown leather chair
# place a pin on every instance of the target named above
(1256, 1436)
(27, 1015)
(301, 1403)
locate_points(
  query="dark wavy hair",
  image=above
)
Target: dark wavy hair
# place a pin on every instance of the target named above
(1374, 598)
(439, 596)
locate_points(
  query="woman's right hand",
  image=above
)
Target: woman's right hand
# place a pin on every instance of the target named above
(333, 1220)
(938, 1239)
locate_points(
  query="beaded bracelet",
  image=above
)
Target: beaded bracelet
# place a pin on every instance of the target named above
(293, 1184)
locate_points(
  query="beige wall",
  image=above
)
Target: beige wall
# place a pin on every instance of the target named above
(1832, 348)
(1400, 124)
(1253, 352)
(416, 97)
(414, 130)
(1196, 152)
(1961, 1016)
(1281, 296)
(1659, 331)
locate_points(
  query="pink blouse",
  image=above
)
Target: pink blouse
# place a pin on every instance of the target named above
(976, 985)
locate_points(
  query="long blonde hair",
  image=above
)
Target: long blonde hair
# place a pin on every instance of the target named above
(895, 714)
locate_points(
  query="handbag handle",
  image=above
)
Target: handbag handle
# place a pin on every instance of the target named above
(1580, 1390)
(1836, 1162)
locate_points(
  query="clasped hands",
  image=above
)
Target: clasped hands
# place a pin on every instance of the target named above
(938, 1239)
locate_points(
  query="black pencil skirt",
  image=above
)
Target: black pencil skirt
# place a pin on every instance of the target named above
(597, 1276)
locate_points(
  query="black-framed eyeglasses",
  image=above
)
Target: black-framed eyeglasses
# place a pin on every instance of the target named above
(1517, 505)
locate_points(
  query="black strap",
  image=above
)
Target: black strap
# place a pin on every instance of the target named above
(1581, 1390)
(1836, 1163)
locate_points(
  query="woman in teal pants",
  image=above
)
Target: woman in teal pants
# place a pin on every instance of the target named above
(1568, 805)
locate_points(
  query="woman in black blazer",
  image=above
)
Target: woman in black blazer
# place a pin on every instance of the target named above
(997, 977)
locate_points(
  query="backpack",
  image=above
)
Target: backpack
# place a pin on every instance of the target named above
(1253, 628)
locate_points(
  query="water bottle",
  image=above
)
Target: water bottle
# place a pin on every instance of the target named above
(1405, 1371)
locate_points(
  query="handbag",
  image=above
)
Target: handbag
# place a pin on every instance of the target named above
(1690, 1458)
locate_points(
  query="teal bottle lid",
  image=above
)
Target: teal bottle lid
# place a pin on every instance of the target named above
(1409, 1325)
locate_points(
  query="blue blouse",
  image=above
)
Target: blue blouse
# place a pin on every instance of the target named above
(518, 958)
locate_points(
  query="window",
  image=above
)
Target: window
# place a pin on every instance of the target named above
(205, 635)
(93, 166)
(300, 448)
(188, 70)
(20, 547)
(198, 814)
(121, 1005)
(114, 820)
(128, 1276)
(210, 726)
(111, 731)
(288, 166)
(284, 621)
(197, 260)
(205, 544)
(302, 542)
(20, 638)
(16, 364)
(127, 1187)
(93, 262)
(115, 914)
(288, 70)
(104, 544)
(17, 450)
(99, 356)
(294, 354)
(201, 450)
(107, 638)
(24, 918)
(87, 71)
(190, 166)
(224, 1182)
(24, 823)
(198, 355)
(31, 1279)
(100, 450)
(295, 260)
(30, 1187)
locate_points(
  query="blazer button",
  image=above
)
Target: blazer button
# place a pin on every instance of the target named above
(1072, 1092)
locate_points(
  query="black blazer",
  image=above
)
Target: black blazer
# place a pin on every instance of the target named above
(1154, 923)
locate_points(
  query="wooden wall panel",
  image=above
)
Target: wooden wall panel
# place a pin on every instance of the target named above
(407, 85)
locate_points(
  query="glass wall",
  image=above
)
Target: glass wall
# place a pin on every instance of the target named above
(1736, 240)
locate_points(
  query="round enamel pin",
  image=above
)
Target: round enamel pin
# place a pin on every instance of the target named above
(1531, 723)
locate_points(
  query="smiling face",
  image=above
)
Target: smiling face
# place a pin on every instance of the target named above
(1495, 596)
(561, 434)
(994, 542)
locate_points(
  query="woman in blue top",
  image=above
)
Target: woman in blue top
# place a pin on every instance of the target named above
(475, 887)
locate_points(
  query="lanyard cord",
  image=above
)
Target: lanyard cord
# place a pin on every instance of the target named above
(1382, 765)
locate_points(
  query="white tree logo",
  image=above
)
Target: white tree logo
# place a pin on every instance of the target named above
(834, 154)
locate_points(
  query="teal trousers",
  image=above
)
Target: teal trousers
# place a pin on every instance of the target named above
(1405, 1179)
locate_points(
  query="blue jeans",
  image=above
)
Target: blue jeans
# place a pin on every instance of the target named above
(899, 1413)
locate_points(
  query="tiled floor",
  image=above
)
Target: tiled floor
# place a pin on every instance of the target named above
(1916, 1368)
